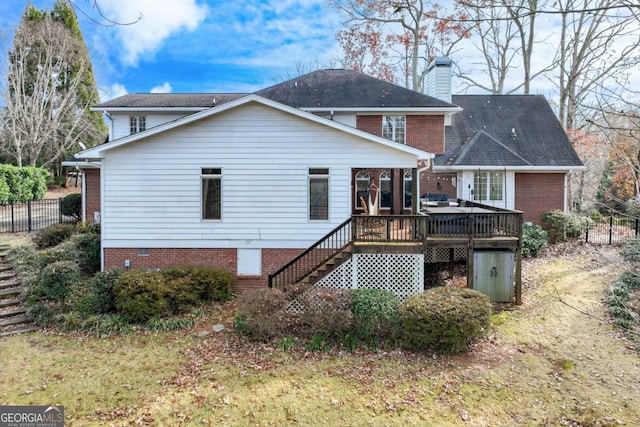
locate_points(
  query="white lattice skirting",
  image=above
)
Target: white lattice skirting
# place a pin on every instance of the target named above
(402, 274)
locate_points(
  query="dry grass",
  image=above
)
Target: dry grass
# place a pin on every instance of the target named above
(546, 363)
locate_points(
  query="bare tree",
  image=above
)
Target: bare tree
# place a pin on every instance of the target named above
(396, 39)
(43, 115)
(597, 48)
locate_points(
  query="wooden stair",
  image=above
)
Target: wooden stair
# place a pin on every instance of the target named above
(14, 318)
(327, 267)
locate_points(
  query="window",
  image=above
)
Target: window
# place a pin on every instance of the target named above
(385, 189)
(488, 186)
(407, 185)
(137, 123)
(393, 128)
(211, 179)
(318, 194)
(363, 182)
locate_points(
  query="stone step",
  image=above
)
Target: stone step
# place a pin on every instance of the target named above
(7, 275)
(14, 320)
(6, 314)
(7, 293)
(9, 284)
(5, 267)
(10, 302)
(21, 329)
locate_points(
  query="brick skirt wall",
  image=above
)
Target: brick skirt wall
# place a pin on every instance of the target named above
(537, 193)
(159, 258)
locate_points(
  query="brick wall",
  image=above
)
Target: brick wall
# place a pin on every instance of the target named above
(429, 183)
(159, 258)
(426, 133)
(92, 192)
(370, 124)
(423, 132)
(537, 193)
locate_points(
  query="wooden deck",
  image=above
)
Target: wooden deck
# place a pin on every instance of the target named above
(470, 226)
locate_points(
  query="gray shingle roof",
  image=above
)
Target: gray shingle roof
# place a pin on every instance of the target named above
(318, 89)
(177, 100)
(506, 130)
(344, 89)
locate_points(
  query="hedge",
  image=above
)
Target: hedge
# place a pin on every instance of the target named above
(19, 185)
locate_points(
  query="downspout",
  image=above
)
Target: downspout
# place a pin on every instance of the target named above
(427, 166)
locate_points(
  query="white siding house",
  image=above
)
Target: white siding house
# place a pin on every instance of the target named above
(264, 151)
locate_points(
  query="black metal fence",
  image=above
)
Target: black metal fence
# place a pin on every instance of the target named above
(32, 216)
(613, 230)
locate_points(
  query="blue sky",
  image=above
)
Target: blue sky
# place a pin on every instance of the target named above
(199, 45)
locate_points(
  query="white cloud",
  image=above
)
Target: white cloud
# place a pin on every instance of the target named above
(164, 88)
(160, 19)
(112, 92)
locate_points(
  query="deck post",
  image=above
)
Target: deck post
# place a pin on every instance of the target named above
(519, 265)
(470, 254)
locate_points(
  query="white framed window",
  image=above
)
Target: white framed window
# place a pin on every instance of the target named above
(363, 182)
(211, 183)
(394, 128)
(407, 188)
(137, 124)
(488, 186)
(318, 194)
(385, 190)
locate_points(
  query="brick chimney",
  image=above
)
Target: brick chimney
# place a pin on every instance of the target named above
(439, 78)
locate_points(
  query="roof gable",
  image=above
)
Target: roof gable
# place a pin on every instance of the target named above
(506, 130)
(98, 151)
(484, 150)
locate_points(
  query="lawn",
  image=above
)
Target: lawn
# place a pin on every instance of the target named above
(552, 361)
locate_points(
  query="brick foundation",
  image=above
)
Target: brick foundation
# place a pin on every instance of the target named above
(159, 258)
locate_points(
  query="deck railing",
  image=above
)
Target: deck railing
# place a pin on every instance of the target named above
(401, 229)
(418, 228)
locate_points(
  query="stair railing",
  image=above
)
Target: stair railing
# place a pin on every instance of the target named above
(308, 261)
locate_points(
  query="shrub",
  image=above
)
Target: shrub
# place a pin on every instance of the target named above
(562, 226)
(375, 315)
(444, 319)
(88, 250)
(182, 294)
(100, 291)
(631, 250)
(71, 205)
(209, 284)
(55, 280)
(326, 313)
(41, 314)
(261, 313)
(21, 184)
(65, 251)
(88, 228)
(141, 295)
(53, 235)
(534, 238)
